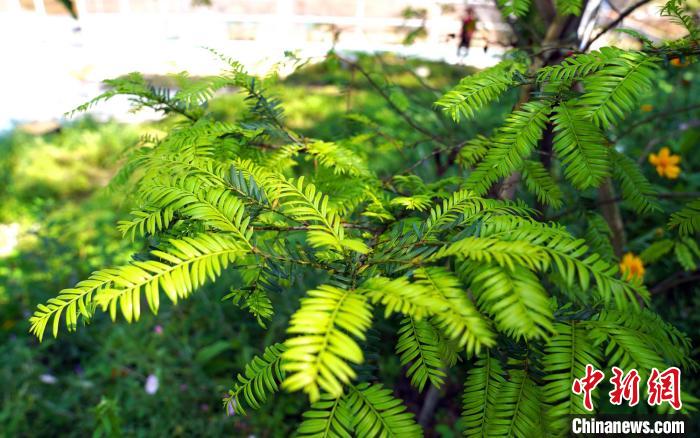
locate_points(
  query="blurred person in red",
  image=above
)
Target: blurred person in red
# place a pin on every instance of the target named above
(468, 28)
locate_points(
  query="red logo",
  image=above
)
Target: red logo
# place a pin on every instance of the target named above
(665, 387)
(587, 384)
(661, 387)
(626, 387)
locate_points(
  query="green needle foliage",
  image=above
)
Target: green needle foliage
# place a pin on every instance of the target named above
(687, 220)
(377, 413)
(185, 267)
(538, 181)
(566, 357)
(482, 388)
(519, 8)
(328, 417)
(261, 377)
(419, 348)
(636, 189)
(580, 146)
(568, 7)
(475, 277)
(317, 358)
(512, 144)
(579, 66)
(478, 90)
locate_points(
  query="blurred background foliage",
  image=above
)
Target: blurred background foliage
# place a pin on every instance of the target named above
(136, 381)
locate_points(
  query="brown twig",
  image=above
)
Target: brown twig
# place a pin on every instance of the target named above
(614, 23)
(407, 118)
(653, 118)
(668, 195)
(674, 281)
(305, 227)
(612, 215)
(434, 153)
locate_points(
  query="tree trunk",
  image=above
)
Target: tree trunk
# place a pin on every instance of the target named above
(611, 213)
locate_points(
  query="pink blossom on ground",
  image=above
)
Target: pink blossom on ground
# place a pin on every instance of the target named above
(151, 386)
(48, 379)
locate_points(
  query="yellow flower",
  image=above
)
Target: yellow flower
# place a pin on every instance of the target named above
(632, 267)
(666, 163)
(676, 62)
(647, 108)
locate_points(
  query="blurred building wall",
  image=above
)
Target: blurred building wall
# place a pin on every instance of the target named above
(359, 21)
(55, 62)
